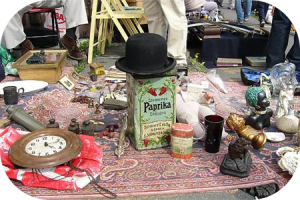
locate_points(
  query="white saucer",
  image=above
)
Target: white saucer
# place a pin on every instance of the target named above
(275, 136)
(30, 86)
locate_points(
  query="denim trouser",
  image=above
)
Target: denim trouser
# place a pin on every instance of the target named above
(262, 10)
(239, 9)
(278, 42)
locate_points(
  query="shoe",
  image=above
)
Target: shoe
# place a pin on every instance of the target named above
(262, 23)
(246, 19)
(66, 42)
(26, 46)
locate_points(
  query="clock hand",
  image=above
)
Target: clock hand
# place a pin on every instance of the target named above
(47, 145)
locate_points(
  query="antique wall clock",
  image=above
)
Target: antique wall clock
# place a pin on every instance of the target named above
(45, 148)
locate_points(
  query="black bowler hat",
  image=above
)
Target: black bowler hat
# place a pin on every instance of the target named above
(146, 54)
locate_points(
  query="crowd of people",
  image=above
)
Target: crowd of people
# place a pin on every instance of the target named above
(166, 18)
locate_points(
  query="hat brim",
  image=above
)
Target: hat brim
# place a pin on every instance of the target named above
(121, 65)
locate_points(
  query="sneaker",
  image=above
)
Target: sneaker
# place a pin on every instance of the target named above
(26, 46)
(66, 42)
(262, 23)
(246, 19)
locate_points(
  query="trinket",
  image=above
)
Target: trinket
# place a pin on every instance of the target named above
(93, 77)
(91, 104)
(120, 149)
(97, 111)
(87, 128)
(74, 126)
(181, 140)
(20, 116)
(238, 161)
(237, 124)
(52, 124)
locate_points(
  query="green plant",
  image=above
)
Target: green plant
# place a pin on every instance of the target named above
(84, 46)
(196, 65)
(81, 66)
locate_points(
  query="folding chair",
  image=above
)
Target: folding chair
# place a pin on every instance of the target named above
(113, 12)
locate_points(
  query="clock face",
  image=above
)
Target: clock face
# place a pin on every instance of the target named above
(45, 145)
(45, 148)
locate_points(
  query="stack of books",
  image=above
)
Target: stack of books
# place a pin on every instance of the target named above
(210, 32)
(256, 61)
(229, 62)
(115, 74)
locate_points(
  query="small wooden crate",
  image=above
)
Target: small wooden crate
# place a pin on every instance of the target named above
(49, 72)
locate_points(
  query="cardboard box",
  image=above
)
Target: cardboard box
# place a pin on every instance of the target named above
(49, 72)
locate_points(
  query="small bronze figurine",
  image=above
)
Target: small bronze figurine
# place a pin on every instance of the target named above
(238, 161)
(97, 111)
(260, 117)
(91, 104)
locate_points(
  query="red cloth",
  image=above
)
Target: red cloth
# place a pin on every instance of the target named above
(90, 158)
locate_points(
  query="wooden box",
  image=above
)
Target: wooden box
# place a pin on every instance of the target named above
(50, 71)
(151, 110)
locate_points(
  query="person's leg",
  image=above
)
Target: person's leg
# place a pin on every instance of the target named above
(74, 13)
(239, 10)
(174, 11)
(155, 17)
(211, 7)
(248, 9)
(231, 4)
(68, 41)
(278, 39)
(294, 54)
(261, 10)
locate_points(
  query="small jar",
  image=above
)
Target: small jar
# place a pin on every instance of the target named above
(88, 128)
(52, 124)
(181, 140)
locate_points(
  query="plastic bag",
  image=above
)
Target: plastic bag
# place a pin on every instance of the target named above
(215, 79)
(6, 57)
(61, 177)
(283, 75)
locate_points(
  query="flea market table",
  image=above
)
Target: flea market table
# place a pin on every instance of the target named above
(230, 45)
(153, 172)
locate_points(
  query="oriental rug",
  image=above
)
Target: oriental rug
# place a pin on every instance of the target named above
(155, 171)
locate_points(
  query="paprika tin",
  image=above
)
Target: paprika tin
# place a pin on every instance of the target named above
(151, 109)
(182, 140)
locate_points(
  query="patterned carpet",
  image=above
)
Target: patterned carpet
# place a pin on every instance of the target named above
(139, 173)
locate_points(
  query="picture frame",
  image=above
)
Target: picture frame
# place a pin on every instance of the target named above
(67, 83)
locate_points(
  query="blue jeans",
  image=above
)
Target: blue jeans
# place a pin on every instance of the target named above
(241, 15)
(278, 42)
(262, 10)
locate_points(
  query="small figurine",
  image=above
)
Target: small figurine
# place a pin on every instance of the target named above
(97, 109)
(237, 124)
(286, 94)
(36, 58)
(260, 117)
(52, 124)
(238, 161)
(91, 104)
